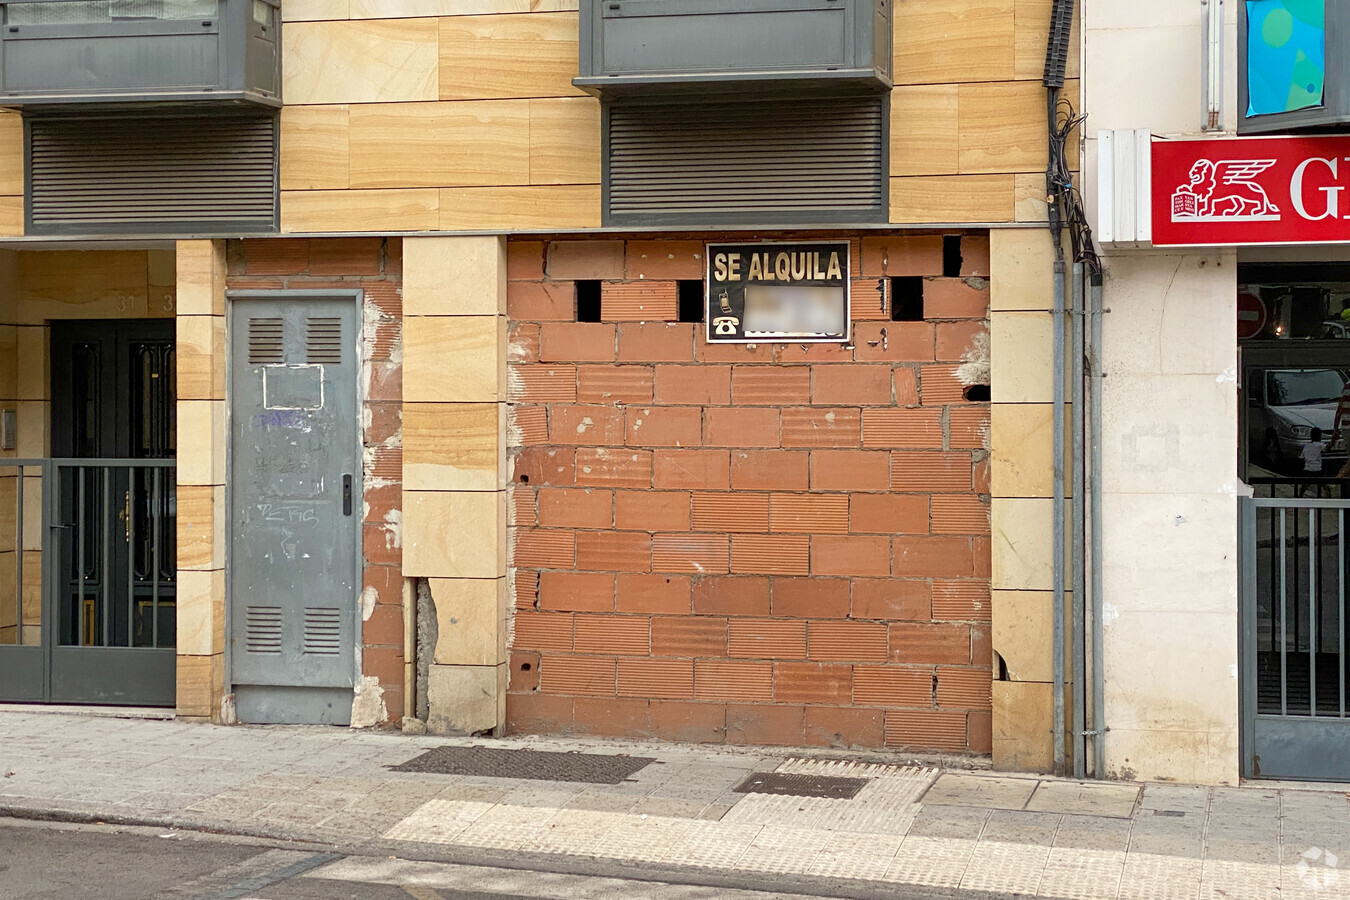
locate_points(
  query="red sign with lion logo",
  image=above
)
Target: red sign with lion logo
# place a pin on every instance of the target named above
(1267, 190)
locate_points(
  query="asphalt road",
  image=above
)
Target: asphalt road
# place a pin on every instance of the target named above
(52, 861)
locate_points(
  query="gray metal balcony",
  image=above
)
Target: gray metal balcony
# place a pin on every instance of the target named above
(57, 54)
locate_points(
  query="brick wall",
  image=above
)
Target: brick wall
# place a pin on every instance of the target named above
(375, 266)
(770, 544)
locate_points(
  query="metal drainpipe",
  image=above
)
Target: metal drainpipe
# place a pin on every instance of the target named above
(1077, 321)
(1095, 503)
(1057, 612)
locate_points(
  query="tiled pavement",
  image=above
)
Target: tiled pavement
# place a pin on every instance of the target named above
(911, 824)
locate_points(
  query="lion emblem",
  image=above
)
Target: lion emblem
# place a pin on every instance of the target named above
(1225, 190)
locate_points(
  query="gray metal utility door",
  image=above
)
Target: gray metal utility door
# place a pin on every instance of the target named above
(295, 504)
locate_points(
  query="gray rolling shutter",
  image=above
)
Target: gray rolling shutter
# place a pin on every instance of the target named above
(765, 160)
(212, 174)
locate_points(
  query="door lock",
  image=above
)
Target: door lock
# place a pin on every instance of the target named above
(124, 516)
(346, 495)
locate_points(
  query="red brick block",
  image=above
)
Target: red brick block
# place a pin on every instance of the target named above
(926, 730)
(384, 627)
(739, 596)
(770, 554)
(587, 425)
(968, 427)
(909, 428)
(870, 299)
(694, 554)
(538, 714)
(766, 639)
(586, 675)
(585, 260)
(694, 723)
(614, 384)
(961, 601)
(974, 255)
(275, 256)
(892, 598)
(741, 427)
(544, 548)
(844, 729)
(888, 513)
(812, 683)
(665, 426)
(652, 510)
(386, 582)
(813, 513)
(576, 592)
(954, 298)
(803, 598)
(576, 508)
(731, 512)
(815, 353)
(981, 646)
(543, 631)
(981, 549)
(932, 557)
(892, 686)
(652, 342)
(770, 385)
(612, 718)
(705, 352)
(542, 383)
(666, 259)
(899, 254)
(893, 341)
(661, 679)
(614, 551)
(383, 663)
(527, 426)
(379, 545)
(916, 643)
(956, 339)
(576, 342)
(980, 474)
(613, 635)
(544, 465)
(946, 472)
(964, 688)
(524, 669)
(524, 261)
(693, 385)
(849, 470)
(980, 732)
(770, 470)
(960, 514)
(664, 594)
(851, 385)
(618, 467)
(639, 301)
(851, 555)
(939, 386)
(847, 641)
(552, 301)
(525, 590)
(523, 343)
(693, 469)
(838, 427)
(727, 680)
(782, 726)
(345, 256)
(689, 636)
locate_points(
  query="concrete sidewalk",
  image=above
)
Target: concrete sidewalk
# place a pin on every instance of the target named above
(936, 829)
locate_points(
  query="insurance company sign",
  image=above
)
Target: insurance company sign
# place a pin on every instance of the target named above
(1266, 190)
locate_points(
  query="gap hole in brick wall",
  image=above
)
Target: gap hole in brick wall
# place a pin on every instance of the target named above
(976, 393)
(691, 300)
(951, 256)
(907, 299)
(524, 667)
(588, 301)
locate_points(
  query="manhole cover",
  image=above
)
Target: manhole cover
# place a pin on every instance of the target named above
(535, 765)
(801, 785)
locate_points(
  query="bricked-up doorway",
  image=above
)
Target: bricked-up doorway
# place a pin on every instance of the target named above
(769, 543)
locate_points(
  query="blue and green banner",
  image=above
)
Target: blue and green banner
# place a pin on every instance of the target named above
(1286, 55)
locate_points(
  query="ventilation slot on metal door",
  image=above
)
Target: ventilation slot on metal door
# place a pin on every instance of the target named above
(323, 341)
(323, 630)
(263, 629)
(265, 341)
(757, 161)
(150, 175)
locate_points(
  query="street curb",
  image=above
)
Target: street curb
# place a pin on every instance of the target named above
(564, 864)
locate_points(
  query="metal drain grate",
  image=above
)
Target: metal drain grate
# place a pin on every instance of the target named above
(801, 785)
(534, 765)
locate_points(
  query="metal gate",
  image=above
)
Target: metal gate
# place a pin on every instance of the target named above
(295, 497)
(1293, 626)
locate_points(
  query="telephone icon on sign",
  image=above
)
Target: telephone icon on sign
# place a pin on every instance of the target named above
(726, 324)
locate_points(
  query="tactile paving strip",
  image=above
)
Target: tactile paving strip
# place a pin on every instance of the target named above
(536, 765)
(792, 785)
